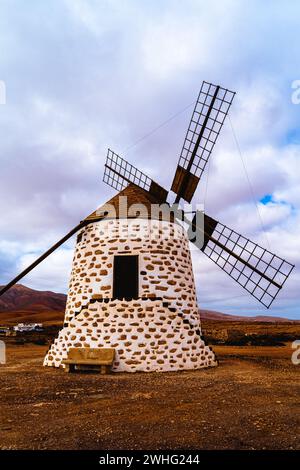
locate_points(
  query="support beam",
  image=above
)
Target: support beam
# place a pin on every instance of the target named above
(46, 254)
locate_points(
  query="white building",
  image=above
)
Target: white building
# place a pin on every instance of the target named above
(22, 327)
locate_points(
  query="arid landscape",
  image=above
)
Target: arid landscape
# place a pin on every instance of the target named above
(149, 233)
(250, 401)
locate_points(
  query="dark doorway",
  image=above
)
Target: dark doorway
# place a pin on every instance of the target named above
(126, 277)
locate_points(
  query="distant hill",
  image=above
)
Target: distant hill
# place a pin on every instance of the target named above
(211, 315)
(25, 298)
(22, 304)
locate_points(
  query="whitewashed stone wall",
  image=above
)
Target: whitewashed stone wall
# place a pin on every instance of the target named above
(148, 334)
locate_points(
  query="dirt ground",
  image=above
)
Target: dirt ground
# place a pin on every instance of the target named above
(250, 401)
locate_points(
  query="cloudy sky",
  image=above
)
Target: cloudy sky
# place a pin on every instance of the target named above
(84, 75)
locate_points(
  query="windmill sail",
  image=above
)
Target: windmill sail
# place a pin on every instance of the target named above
(118, 173)
(210, 111)
(255, 268)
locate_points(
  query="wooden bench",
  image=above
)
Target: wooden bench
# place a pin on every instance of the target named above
(85, 358)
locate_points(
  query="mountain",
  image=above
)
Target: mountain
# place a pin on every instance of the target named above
(21, 297)
(22, 304)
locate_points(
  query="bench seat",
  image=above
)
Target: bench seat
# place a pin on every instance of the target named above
(95, 357)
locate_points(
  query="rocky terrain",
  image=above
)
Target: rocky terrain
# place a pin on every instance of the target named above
(250, 401)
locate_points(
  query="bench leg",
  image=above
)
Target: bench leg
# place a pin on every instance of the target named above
(67, 368)
(103, 370)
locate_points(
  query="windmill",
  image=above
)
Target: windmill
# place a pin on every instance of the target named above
(138, 295)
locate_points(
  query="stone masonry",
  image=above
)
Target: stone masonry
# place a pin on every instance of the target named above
(158, 331)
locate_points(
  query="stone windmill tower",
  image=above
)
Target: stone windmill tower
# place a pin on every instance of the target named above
(132, 286)
(132, 289)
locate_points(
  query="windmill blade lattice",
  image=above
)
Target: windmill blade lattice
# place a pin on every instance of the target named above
(118, 173)
(255, 268)
(210, 111)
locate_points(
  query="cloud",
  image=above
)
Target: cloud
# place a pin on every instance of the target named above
(84, 75)
(53, 273)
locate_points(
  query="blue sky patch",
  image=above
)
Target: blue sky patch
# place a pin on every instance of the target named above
(266, 199)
